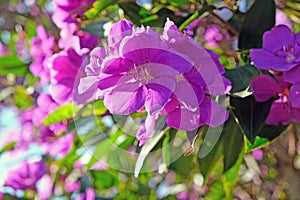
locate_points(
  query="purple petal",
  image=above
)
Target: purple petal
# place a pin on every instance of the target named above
(118, 31)
(60, 93)
(212, 113)
(294, 95)
(265, 87)
(189, 95)
(280, 113)
(292, 75)
(266, 60)
(126, 98)
(142, 39)
(116, 65)
(147, 129)
(296, 114)
(184, 119)
(159, 92)
(278, 37)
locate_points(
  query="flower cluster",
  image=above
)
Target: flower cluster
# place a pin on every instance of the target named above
(281, 56)
(166, 74)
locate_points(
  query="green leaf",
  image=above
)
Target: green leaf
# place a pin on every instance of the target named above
(258, 143)
(233, 143)
(60, 114)
(95, 28)
(250, 114)
(259, 18)
(12, 65)
(231, 176)
(104, 179)
(7, 147)
(240, 77)
(271, 132)
(22, 98)
(211, 159)
(216, 191)
(98, 6)
(148, 146)
(131, 10)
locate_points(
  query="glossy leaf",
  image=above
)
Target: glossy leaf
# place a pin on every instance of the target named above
(240, 77)
(250, 114)
(233, 143)
(258, 143)
(259, 18)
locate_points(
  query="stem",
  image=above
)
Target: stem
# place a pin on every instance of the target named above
(194, 17)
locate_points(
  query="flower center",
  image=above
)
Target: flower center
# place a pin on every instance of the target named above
(141, 72)
(287, 52)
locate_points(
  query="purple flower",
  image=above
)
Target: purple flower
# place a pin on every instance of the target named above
(68, 11)
(280, 52)
(44, 186)
(287, 107)
(26, 175)
(64, 69)
(88, 195)
(167, 74)
(59, 147)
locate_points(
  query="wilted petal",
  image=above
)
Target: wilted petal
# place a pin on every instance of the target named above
(265, 87)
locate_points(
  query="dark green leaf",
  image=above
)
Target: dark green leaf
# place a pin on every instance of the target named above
(271, 132)
(259, 18)
(215, 154)
(250, 114)
(240, 77)
(131, 9)
(12, 65)
(233, 143)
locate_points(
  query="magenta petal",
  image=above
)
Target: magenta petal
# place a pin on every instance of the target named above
(278, 37)
(265, 87)
(292, 75)
(126, 98)
(147, 129)
(280, 113)
(159, 92)
(60, 93)
(294, 95)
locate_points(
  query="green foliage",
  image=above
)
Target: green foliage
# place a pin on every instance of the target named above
(250, 114)
(60, 114)
(12, 65)
(22, 98)
(240, 77)
(260, 18)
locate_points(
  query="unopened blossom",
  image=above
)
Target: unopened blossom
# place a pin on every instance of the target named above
(285, 109)
(26, 175)
(280, 51)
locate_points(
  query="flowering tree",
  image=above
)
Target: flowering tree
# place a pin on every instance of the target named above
(149, 99)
